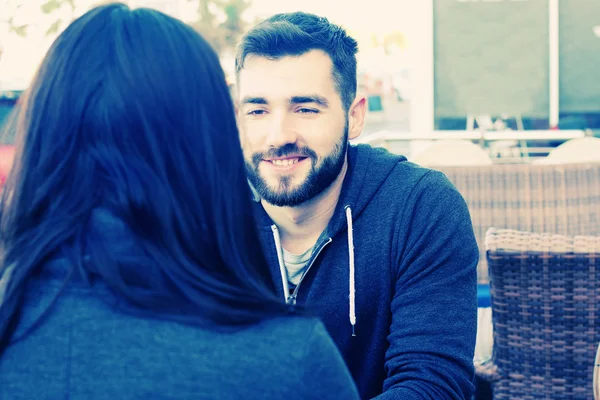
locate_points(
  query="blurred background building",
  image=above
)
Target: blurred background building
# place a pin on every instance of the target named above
(425, 65)
(534, 59)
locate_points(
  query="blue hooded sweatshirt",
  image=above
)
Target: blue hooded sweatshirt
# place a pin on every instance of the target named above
(396, 266)
(88, 348)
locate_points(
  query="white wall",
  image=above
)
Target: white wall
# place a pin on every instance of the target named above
(421, 56)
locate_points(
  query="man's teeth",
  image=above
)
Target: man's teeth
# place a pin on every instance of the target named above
(286, 162)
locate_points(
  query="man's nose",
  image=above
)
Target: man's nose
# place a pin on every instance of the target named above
(281, 131)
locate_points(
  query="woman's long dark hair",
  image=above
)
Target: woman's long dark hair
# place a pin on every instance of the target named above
(130, 113)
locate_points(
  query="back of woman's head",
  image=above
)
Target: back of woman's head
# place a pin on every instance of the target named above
(130, 113)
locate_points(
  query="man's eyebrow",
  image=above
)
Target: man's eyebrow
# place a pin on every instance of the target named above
(320, 100)
(254, 100)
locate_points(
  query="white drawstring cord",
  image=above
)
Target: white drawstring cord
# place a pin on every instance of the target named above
(282, 270)
(351, 262)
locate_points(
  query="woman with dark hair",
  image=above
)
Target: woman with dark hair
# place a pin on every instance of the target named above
(131, 266)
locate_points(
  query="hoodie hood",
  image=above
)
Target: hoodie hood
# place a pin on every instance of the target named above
(368, 169)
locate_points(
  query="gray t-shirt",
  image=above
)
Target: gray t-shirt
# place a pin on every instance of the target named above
(295, 265)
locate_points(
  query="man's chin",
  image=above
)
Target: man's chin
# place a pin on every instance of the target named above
(279, 196)
(283, 201)
(282, 198)
(282, 183)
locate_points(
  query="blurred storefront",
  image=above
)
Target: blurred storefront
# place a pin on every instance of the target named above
(533, 60)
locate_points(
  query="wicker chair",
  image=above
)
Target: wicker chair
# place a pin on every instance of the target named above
(564, 199)
(546, 314)
(452, 153)
(597, 375)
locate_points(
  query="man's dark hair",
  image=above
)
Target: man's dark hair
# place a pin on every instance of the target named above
(293, 34)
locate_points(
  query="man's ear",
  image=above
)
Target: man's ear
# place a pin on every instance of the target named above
(356, 117)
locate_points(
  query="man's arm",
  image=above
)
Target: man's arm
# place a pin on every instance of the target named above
(434, 308)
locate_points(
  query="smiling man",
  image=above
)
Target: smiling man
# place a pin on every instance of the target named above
(381, 248)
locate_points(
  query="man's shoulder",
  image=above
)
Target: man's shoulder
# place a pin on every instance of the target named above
(402, 174)
(405, 184)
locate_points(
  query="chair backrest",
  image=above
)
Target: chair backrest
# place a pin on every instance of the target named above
(452, 152)
(546, 313)
(578, 150)
(539, 198)
(596, 379)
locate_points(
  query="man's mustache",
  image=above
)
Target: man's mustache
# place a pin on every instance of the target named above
(286, 150)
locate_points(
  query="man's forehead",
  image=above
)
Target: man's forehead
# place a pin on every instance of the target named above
(287, 76)
(311, 57)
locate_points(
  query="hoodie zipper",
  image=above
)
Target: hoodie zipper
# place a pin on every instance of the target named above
(291, 299)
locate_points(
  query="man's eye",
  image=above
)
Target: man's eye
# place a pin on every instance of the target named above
(257, 112)
(308, 111)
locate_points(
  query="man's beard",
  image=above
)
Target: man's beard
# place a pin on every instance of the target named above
(319, 178)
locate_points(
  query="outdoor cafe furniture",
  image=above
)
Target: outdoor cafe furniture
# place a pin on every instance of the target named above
(452, 152)
(585, 149)
(559, 198)
(545, 297)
